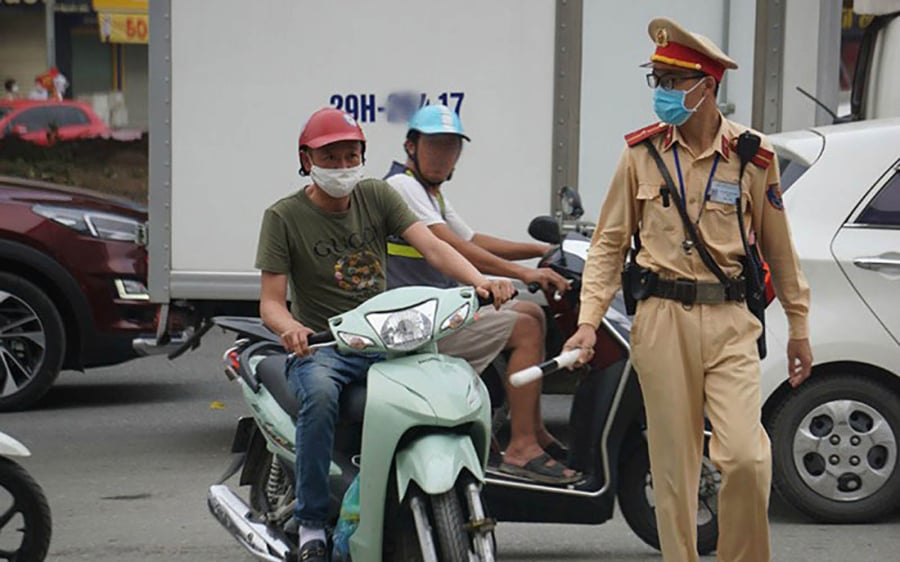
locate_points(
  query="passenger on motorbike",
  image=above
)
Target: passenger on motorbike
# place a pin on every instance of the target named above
(433, 146)
(327, 241)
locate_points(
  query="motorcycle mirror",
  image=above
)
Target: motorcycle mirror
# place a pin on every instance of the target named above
(545, 229)
(570, 203)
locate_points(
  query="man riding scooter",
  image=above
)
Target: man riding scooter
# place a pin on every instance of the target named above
(433, 146)
(328, 242)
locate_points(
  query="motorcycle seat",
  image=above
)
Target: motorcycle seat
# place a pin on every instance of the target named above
(271, 374)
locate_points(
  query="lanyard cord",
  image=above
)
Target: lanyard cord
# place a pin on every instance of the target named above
(712, 174)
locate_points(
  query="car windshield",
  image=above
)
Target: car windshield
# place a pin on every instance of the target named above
(791, 170)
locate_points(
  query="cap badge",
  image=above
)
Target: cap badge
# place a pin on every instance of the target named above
(662, 37)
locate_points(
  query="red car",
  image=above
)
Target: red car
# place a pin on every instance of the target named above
(44, 122)
(73, 269)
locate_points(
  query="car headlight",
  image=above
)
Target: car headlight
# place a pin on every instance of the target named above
(407, 329)
(93, 223)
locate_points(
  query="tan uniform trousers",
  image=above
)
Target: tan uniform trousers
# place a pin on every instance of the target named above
(687, 358)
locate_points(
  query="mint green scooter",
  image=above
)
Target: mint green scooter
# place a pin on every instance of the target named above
(417, 434)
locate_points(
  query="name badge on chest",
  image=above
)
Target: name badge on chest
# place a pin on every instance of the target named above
(722, 192)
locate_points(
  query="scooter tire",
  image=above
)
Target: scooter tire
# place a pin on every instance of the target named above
(450, 525)
(639, 513)
(29, 502)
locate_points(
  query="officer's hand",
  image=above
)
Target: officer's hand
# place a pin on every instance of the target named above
(502, 289)
(584, 339)
(294, 339)
(800, 361)
(546, 278)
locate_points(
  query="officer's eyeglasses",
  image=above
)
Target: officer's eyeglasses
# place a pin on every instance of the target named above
(668, 81)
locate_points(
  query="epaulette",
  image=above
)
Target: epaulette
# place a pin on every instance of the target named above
(762, 158)
(643, 134)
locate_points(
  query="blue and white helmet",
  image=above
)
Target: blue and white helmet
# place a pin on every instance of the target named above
(437, 119)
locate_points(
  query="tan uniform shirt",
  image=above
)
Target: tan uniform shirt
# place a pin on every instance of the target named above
(634, 201)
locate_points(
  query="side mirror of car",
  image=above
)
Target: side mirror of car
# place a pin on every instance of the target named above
(545, 229)
(19, 130)
(570, 203)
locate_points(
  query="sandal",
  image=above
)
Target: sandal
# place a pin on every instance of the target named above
(558, 451)
(537, 470)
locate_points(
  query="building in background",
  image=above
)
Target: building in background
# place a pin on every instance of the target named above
(99, 45)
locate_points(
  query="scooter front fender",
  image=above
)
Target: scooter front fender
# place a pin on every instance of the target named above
(435, 461)
(12, 448)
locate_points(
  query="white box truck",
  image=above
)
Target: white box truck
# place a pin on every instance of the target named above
(546, 90)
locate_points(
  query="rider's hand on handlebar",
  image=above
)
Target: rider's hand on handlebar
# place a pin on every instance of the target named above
(547, 279)
(294, 339)
(584, 339)
(501, 289)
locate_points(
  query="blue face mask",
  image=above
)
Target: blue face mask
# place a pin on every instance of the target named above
(669, 105)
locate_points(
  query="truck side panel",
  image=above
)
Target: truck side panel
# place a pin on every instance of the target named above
(237, 107)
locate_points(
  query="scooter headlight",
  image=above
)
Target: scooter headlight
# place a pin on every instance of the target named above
(407, 329)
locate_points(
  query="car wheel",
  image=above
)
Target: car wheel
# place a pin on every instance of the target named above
(835, 444)
(32, 342)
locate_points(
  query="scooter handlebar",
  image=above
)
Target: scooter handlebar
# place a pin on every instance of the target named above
(531, 374)
(482, 301)
(320, 338)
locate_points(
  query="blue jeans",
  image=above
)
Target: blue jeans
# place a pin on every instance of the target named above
(317, 380)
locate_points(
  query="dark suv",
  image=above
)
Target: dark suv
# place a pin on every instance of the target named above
(73, 268)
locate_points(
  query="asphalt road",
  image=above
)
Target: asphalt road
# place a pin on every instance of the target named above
(125, 455)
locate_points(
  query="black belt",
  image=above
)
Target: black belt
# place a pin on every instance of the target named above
(688, 291)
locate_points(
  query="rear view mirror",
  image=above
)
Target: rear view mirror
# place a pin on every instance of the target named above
(545, 229)
(19, 130)
(570, 203)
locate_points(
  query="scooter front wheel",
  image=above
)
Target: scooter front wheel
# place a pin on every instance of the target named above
(451, 530)
(439, 529)
(29, 513)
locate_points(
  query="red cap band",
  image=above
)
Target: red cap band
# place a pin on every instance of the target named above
(685, 57)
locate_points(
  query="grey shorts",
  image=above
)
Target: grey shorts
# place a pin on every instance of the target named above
(481, 341)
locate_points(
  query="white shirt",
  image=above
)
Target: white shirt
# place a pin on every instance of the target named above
(427, 207)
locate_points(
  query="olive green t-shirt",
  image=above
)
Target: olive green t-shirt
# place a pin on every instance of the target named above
(334, 261)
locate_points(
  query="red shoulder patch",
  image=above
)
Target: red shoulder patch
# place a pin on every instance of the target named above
(643, 134)
(762, 158)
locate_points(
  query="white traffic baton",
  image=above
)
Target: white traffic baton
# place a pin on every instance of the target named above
(531, 374)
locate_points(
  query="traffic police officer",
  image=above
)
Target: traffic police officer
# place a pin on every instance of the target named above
(698, 351)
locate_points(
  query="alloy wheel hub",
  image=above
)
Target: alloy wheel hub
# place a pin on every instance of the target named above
(22, 343)
(844, 450)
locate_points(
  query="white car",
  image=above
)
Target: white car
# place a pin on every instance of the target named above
(835, 439)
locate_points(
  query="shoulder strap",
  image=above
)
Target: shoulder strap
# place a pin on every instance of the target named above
(707, 259)
(442, 205)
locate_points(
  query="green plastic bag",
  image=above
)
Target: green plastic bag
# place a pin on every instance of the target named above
(347, 523)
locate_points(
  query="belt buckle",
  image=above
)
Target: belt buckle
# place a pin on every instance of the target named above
(710, 293)
(685, 291)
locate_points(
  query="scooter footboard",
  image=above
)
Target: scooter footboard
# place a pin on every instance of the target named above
(435, 461)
